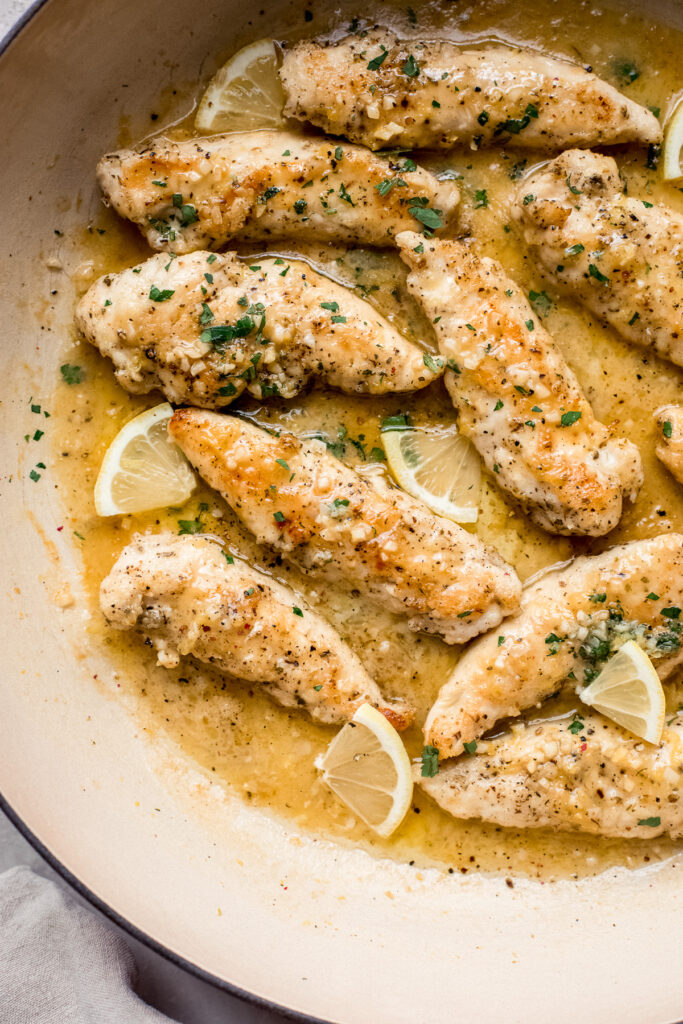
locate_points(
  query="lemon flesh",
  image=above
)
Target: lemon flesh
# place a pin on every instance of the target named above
(629, 691)
(142, 468)
(367, 766)
(439, 466)
(245, 94)
(672, 168)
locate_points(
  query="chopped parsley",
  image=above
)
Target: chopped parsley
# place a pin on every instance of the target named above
(528, 199)
(574, 250)
(431, 363)
(297, 611)
(332, 306)
(279, 517)
(71, 374)
(411, 68)
(498, 405)
(596, 273)
(625, 71)
(515, 125)
(190, 525)
(470, 747)
(667, 428)
(300, 205)
(541, 302)
(430, 762)
(481, 198)
(567, 419)
(654, 822)
(377, 61)
(401, 421)
(576, 725)
(431, 218)
(160, 295)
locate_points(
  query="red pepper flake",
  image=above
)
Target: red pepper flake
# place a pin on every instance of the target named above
(59, 528)
(247, 625)
(584, 746)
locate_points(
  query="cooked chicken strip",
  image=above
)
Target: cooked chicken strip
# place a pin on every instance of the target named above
(381, 91)
(621, 256)
(183, 595)
(265, 186)
(571, 620)
(669, 448)
(204, 327)
(326, 518)
(600, 780)
(518, 401)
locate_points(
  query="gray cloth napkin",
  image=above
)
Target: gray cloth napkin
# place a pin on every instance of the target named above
(58, 963)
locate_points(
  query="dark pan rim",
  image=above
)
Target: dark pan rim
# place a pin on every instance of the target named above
(61, 869)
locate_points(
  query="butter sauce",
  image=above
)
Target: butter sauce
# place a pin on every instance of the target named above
(245, 741)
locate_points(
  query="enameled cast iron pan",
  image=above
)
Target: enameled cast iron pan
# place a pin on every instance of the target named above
(312, 927)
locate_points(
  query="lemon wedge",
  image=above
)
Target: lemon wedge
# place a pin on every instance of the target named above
(629, 691)
(142, 468)
(437, 465)
(245, 94)
(368, 768)
(672, 169)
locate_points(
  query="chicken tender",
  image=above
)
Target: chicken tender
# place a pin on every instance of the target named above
(203, 328)
(517, 400)
(621, 256)
(323, 516)
(382, 92)
(669, 448)
(570, 622)
(267, 186)
(187, 598)
(599, 779)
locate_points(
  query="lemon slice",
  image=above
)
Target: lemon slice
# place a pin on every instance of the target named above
(628, 691)
(672, 169)
(368, 768)
(439, 466)
(245, 93)
(142, 468)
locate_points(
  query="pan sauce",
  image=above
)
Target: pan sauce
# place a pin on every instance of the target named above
(240, 736)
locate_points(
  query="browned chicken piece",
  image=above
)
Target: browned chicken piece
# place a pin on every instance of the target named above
(597, 779)
(188, 598)
(517, 400)
(669, 420)
(323, 516)
(267, 186)
(570, 621)
(621, 256)
(205, 327)
(383, 92)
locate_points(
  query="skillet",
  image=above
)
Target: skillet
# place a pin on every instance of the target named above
(318, 929)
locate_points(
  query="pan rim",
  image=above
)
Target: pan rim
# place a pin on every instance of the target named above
(138, 934)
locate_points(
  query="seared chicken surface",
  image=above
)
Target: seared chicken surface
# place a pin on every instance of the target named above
(518, 401)
(599, 779)
(669, 420)
(187, 598)
(570, 621)
(204, 327)
(383, 92)
(269, 185)
(326, 518)
(621, 256)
